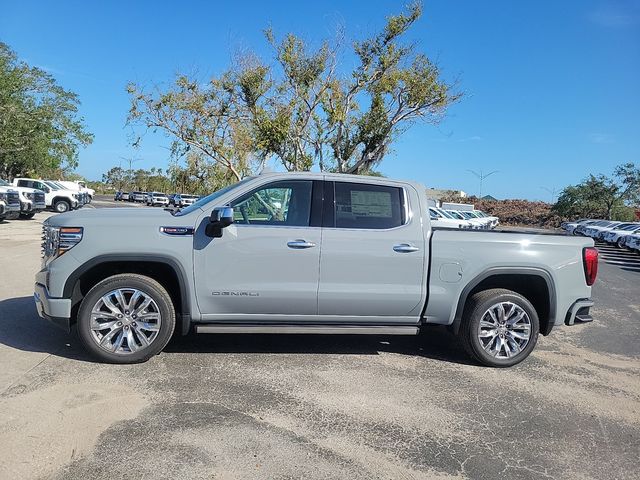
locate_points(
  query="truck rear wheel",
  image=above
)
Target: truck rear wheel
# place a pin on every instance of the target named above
(499, 327)
(126, 318)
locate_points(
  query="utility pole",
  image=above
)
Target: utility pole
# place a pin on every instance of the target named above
(481, 175)
(553, 191)
(131, 162)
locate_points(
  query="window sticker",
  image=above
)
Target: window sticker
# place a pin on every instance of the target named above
(371, 204)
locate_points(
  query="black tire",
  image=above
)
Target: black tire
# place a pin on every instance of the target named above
(149, 287)
(476, 308)
(27, 216)
(62, 206)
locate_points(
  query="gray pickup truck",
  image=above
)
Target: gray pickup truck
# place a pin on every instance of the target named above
(306, 253)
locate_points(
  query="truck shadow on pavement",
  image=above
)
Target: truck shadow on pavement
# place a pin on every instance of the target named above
(21, 328)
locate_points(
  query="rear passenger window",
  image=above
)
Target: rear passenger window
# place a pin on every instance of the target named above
(360, 205)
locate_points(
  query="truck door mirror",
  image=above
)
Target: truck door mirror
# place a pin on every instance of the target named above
(220, 218)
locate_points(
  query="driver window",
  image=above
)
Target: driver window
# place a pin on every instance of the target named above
(285, 203)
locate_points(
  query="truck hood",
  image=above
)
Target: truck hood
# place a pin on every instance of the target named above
(120, 217)
(25, 189)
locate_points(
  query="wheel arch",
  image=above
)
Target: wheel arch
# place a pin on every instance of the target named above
(166, 270)
(535, 284)
(57, 199)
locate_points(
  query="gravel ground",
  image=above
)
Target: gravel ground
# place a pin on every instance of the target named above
(257, 407)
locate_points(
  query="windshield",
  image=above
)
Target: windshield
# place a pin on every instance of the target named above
(204, 200)
(4, 183)
(53, 185)
(456, 215)
(446, 214)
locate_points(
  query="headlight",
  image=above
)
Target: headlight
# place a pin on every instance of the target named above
(29, 195)
(58, 240)
(3, 196)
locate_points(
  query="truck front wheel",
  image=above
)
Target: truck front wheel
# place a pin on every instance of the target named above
(499, 327)
(62, 206)
(126, 318)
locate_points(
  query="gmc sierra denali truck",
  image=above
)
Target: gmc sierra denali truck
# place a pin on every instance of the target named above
(56, 197)
(31, 200)
(10, 199)
(306, 253)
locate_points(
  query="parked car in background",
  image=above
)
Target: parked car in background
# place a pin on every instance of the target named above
(630, 242)
(32, 201)
(616, 235)
(441, 218)
(595, 229)
(570, 227)
(136, 196)
(10, 199)
(117, 196)
(157, 198)
(580, 229)
(82, 197)
(493, 221)
(475, 222)
(57, 198)
(87, 193)
(184, 200)
(172, 198)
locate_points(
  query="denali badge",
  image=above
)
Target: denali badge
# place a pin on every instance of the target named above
(235, 294)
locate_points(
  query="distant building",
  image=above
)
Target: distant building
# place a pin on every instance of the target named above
(437, 194)
(489, 197)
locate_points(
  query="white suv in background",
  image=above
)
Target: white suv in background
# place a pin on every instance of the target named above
(56, 197)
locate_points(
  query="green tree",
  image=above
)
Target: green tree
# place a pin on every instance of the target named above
(40, 128)
(599, 196)
(198, 118)
(304, 108)
(116, 178)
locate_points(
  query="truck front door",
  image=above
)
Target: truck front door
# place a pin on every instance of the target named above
(266, 263)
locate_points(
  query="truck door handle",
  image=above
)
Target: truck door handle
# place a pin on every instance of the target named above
(405, 248)
(300, 244)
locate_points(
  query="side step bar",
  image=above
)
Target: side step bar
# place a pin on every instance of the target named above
(310, 329)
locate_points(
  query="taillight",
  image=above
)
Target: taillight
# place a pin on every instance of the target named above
(590, 261)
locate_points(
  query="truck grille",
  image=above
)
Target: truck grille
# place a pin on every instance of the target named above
(39, 197)
(13, 198)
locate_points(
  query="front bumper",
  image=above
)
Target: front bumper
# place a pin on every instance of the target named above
(579, 311)
(56, 310)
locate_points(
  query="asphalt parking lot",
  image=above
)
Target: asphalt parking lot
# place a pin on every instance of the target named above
(288, 407)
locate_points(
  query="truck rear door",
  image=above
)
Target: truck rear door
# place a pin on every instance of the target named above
(373, 251)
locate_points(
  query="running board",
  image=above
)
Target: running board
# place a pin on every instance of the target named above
(310, 329)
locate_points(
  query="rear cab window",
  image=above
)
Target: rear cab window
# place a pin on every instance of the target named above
(368, 206)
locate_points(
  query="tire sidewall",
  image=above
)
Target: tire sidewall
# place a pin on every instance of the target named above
(477, 313)
(149, 287)
(65, 209)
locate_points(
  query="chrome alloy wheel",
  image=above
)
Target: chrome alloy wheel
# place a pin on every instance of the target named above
(505, 330)
(125, 321)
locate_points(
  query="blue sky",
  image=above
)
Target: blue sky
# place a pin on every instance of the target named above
(551, 86)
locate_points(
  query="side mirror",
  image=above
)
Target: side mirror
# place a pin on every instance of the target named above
(220, 218)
